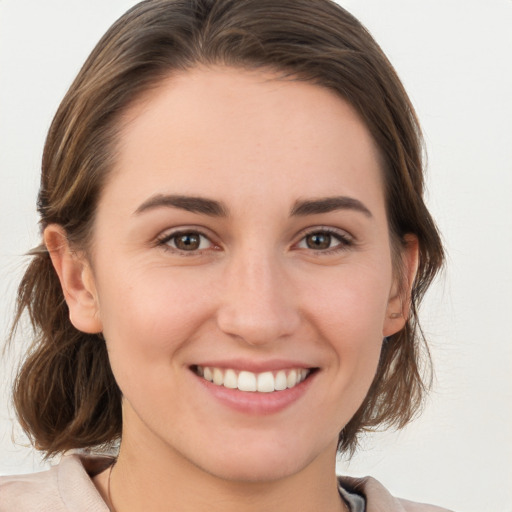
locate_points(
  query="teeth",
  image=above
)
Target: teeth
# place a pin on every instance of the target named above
(247, 381)
(280, 382)
(218, 378)
(265, 382)
(291, 379)
(207, 374)
(230, 379)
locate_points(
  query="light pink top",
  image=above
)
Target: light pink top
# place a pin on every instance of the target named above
(67, 487)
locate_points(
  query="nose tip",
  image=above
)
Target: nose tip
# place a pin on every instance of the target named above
(258, 305)
(255, 324)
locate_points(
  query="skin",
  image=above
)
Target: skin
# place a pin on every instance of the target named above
(254, 291)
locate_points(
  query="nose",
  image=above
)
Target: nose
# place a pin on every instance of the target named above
(257, 303)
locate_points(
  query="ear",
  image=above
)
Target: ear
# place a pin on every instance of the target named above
(399, 303)
(76, 279)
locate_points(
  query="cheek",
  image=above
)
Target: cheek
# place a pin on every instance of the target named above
(349, 313)
(352, 302)
(149, 316)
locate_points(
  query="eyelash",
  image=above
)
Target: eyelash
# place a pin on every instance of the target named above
(164, 241)
(345, 241)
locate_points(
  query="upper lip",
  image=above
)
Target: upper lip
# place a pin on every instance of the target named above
(255, 366)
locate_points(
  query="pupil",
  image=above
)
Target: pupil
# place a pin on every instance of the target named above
(318, 241)
(188, 242)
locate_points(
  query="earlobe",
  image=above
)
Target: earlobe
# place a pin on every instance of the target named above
(399, 303)
(76, 280)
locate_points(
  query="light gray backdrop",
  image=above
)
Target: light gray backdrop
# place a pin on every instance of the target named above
(455, 58)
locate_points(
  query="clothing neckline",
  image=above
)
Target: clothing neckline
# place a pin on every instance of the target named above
(95, 464)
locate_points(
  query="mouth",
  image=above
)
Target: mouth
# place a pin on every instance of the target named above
(263, 382)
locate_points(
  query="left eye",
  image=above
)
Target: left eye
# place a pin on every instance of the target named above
(321, 241)
(187, 241)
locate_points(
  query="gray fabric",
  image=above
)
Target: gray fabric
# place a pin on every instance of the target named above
(355, 502)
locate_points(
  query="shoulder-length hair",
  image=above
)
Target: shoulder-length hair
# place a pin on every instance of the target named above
(65, 393)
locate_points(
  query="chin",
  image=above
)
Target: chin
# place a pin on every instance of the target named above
(259, 463)
(250, 471)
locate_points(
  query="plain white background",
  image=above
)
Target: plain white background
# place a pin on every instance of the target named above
(455, 59)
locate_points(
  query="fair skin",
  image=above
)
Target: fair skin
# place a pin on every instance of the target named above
(214, 250)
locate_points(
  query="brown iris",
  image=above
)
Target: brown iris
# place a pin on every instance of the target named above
(318, 241)
(187, 241)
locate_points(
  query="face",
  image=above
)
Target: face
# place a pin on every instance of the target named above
(241, 272)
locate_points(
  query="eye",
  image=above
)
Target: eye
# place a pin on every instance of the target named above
(186, 241)
(324, 240)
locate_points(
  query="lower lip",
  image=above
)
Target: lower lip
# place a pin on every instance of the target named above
(257, 403)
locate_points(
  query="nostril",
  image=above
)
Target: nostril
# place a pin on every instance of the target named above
(257, 323)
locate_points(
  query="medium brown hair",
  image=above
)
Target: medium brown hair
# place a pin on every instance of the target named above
(65, 393)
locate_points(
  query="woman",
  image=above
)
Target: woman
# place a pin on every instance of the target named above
(234, 248)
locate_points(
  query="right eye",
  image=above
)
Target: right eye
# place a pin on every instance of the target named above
(186, 241)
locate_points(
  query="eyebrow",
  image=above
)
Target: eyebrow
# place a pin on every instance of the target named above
(214, 208)
(328, 204)
(192, 204)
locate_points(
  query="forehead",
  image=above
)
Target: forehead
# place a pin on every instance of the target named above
(210, 130)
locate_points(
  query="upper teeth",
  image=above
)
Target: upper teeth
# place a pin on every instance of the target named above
(265, 382)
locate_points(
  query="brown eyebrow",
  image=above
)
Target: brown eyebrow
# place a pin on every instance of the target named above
(328, 204)
(215, 208)
(189, 203)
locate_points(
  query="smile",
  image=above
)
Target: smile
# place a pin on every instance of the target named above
(265, 382)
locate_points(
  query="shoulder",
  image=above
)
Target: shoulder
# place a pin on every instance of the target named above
(379, 499)
(65, 487)
(29, 492)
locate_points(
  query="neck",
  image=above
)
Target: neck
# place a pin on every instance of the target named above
(165, 480)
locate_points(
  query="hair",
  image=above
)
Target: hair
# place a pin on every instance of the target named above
(65, 393)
